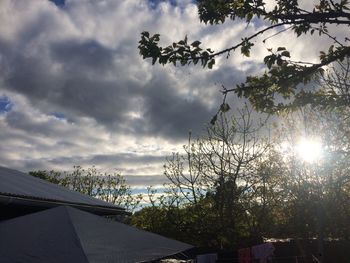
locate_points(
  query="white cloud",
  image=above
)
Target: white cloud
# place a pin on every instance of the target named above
(120, 112)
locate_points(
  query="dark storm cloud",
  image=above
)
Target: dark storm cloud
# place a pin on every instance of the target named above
(86, 55)
(73, 160)
(105, 101)
(82, 77)
(81, 88)
(82, 94)
(30, 165)
(21, 121)
(126, 158)
(171, 113)
(28, 75)
(145, 180)
(118, 161)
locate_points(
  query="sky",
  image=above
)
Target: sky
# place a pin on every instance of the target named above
(75, 91)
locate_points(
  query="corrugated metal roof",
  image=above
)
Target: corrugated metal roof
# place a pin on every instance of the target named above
(65, 234)
(14, 183)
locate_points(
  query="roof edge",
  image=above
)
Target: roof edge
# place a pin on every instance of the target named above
(11, 199)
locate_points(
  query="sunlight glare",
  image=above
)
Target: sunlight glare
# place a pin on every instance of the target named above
(310, 150)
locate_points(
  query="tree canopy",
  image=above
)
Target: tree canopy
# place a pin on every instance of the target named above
(111, 188)
(277, 88)
(231, 187)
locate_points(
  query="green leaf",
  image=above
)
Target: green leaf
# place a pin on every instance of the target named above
(196, 43)
(211, 63)
(245, 51)
(279, 62)
(285, 54)
(330, 50)
(224, 107)
(145, 33)
(154, 60)
(214, 119)
(250, 16)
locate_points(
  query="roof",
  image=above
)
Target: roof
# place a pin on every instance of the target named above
(22, 190)
(65, 234)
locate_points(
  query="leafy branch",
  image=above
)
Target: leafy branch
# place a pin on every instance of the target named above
(283, 74)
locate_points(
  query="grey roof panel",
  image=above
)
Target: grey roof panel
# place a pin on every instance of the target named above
(40, 237)
(18, 184)
(109, 241)
(65, 234)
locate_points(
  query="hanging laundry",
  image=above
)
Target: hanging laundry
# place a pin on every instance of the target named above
(244, 255)
(263, 252)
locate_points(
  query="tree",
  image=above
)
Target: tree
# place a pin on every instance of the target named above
(212, 185)
(315, 193)
(231, 187)
(111, 188)
(277, 89)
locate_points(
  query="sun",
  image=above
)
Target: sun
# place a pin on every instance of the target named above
(309, 149)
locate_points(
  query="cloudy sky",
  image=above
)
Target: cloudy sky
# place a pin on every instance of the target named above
(74, 90)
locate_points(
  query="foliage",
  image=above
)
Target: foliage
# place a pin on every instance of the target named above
(210, 186)
(111, 188)
(317, 193)
(277, 89)
(232, 187)
(194, 224)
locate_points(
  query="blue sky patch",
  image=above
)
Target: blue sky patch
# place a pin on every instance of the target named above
(59, 3)
(58, 115)
(5, 104)
(155, 3)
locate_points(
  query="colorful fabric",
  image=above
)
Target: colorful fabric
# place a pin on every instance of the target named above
(263, 252)
(244, 255)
